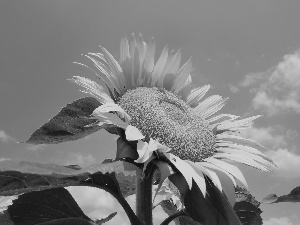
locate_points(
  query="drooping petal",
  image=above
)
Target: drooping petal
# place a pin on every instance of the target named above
(181, 166)
(233, 170)
(188, 172)
(216, 168)
(93, 89)
(112, 107)
(212, 175)
(147, 150)
(132, 133)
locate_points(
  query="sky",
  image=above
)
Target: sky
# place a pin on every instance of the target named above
(248, 51)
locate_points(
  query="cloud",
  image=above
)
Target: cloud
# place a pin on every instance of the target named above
(272, 137)
(278, 89)
(36, 147)
(278, 221)
(4, 159)
(233, 88)
(287, 162)
(97, 203)
(80, 159)
(5, 137)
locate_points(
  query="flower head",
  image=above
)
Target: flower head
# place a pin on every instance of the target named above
(156, 102)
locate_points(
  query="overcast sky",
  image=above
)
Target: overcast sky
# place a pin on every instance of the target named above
(246, 50)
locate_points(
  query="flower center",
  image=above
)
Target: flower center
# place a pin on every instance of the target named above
(162, 116)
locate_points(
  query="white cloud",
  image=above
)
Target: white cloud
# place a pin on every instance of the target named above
(278, 221)
(278, 89)
(287, 162)
(272, 137)
(253, 78)
(4, 159)
(233, 89)
(5, 137)
(36, 147)
(97, 203)
(80, 159)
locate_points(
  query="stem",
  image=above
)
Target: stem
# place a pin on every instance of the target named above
(144, 195)
(172, 217)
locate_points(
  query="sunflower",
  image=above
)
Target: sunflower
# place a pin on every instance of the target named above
(157, 104)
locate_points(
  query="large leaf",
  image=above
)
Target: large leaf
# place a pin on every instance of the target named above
(18, 177)
(213, 209)
(71, 123)
(247, 207)
(48, 207)
(293, 196)
(115, 177)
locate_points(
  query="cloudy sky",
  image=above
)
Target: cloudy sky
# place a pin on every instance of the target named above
(246, 50)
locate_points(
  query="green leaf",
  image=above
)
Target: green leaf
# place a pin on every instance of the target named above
(48, 207)
(125, 150)
(118, 178)
(18, 177)
(71, 123)
(213, 209)
(247, 207)
(171, 209)
(293, 196)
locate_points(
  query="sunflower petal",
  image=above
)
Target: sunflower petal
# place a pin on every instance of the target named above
(207, 103)
(105, 71)
(92, 88)
(124, 49)
(196, 95)
(259, 158)
(212, 175)
(188, 172)
(147, 150)
(132, 133)
(181, 76)
(112, 107)
(231, 145)
(238, 124)
(242, 159)
(159, 66)
(214, 167)
(115, 68)
(233, 170)
(223, 117)
(239, 140)
(149, 61)
(214, 108)
(182, 167)
(186, 88)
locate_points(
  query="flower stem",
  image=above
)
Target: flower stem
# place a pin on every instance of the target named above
(144, 195)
